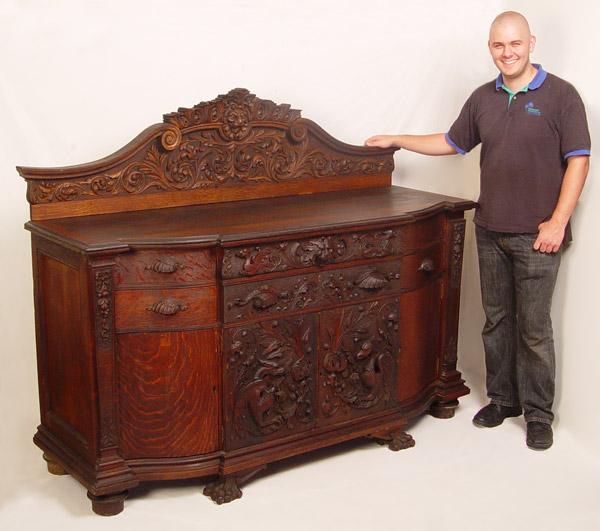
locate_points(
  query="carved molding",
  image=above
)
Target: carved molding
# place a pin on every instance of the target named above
(285, 255)
(269, 373)
(456, 253)
(104, 307)
(104, 316)
(359, 347)
(236, 139)
(247, 301)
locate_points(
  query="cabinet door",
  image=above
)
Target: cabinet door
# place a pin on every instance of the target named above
(269, 379)
(358, 353)
(420, 331)
(169, 387)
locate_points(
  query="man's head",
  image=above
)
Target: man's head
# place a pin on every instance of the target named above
(510, 44)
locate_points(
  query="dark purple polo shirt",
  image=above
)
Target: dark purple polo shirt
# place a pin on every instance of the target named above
(526, 140)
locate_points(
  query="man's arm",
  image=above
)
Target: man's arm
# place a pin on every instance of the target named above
(552, 232)
(425, 144)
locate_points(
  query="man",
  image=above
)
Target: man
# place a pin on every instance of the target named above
(535, 150)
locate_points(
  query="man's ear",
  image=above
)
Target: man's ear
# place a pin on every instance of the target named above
(531, 43)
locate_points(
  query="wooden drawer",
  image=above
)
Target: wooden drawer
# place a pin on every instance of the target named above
(167, 309)
(309, 252)
(419, 268)
(423, 233)
(252, 300)
(165, 267)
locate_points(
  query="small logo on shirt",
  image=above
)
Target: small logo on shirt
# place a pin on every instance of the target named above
(530, 109)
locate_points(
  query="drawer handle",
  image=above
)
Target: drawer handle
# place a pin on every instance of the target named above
(168, 306)
(427, 265)
(371, 280)
(165, 265)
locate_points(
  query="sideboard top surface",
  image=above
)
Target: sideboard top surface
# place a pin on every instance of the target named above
(242, 220)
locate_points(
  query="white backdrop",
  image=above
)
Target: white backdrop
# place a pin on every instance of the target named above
(79, 79)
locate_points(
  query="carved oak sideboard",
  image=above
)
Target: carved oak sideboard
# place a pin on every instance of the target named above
(231, 288)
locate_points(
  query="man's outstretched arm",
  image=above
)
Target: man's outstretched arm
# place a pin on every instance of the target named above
(425, 144)
(552, 231)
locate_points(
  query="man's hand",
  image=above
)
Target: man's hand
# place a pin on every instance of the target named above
(550, 237)
(552, 232)
(381, 141)
(425, 144)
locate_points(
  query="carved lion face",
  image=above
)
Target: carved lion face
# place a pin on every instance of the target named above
(236, 123)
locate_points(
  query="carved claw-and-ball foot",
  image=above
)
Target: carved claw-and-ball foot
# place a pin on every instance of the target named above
(395, 440)
(443, 410)
(108, 505)
(223, 490)
(54, 467)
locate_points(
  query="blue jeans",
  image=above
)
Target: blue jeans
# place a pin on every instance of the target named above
(517, 283)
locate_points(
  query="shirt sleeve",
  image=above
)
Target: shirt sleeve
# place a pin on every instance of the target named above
(463, 135)
(573, 127)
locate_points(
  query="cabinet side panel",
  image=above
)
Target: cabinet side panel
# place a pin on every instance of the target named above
(65, 360)
(419, 330)
(169, 388)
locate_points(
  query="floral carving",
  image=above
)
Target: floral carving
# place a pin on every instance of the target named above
(103, 286)
(280, 256)
(236, 139)
(270, 377)
(458, 237)
(360, 346)
(246, 301)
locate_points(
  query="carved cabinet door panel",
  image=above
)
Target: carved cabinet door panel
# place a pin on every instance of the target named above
(420, 331)
(269, 379)
(169, 385)
(358, 352)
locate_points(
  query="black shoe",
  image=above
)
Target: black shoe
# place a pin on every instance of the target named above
(539, 435)
(494, 415)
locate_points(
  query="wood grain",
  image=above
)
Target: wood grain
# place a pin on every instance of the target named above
(169, 388)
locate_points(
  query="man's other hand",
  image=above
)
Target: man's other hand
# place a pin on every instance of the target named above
(550, 236)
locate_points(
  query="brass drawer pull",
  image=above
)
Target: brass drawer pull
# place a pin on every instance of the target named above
(165, 265)
(168, 306)
(427, 265)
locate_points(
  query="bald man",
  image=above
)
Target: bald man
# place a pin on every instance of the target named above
(534, 160)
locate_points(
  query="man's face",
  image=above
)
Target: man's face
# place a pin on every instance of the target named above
(510, 45)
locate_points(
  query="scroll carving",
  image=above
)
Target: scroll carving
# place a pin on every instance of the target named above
(236, 139)
(270, 379)
(281, 256)
(359, 347)
(247, 301)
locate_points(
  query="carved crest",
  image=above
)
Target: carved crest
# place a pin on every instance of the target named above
(235, 140)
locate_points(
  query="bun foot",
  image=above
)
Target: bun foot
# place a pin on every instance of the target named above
(395, 440)
(223, 490)
(443, 410)
(54, 467)
(108, 505)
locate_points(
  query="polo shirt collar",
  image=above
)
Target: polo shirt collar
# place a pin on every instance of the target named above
(535, 83)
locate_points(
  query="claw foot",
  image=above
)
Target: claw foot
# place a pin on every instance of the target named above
(396, 440)
(223, 490)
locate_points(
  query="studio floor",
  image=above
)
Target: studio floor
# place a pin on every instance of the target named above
(456, 477)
